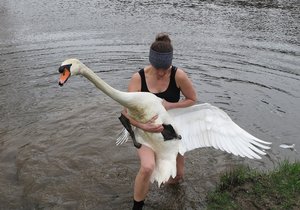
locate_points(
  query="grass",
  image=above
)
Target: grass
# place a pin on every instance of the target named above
(245, 188)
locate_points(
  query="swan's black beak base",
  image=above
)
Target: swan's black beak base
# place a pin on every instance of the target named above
(62, 68)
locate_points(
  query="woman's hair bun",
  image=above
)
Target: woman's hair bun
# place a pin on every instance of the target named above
(162, 43)
(163, 37)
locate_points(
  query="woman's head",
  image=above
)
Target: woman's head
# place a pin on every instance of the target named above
(161, 52)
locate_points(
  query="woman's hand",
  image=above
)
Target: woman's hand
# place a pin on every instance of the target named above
(150, 126)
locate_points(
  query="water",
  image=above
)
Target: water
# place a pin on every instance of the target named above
(57, 144)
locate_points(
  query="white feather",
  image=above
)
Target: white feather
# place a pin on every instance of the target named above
(122, 137)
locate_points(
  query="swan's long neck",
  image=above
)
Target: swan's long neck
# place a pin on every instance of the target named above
(115, 94)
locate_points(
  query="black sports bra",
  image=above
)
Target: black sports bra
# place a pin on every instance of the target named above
(172, 94)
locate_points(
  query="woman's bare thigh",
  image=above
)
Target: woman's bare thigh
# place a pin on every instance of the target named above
(147, 156)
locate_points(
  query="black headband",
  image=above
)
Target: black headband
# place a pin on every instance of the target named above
(160, 60)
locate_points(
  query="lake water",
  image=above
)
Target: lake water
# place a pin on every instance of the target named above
(57, 147)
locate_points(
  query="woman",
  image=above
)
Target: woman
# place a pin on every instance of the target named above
(165, 81)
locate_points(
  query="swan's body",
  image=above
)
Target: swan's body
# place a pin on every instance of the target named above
(200, 125)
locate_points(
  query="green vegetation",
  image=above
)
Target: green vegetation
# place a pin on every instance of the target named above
(245, 188)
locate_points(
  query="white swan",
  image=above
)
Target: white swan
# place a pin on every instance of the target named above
(200, 125)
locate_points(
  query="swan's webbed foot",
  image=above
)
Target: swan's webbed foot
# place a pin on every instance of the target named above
(169, 133)
(125, 122)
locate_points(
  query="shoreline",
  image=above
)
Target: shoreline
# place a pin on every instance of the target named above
(245, 188)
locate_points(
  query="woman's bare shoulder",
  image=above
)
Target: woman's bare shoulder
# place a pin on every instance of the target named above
(181, 75)
(135, 83)
(136, 76)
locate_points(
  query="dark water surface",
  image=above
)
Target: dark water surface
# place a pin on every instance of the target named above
(57, 144)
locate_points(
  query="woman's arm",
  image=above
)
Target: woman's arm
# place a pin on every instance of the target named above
(187, 89)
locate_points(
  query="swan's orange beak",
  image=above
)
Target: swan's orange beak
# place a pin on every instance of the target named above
(64, 74)
(64, 77)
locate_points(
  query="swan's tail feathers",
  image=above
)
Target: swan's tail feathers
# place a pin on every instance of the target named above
(122, 137)
(205, 125)
(164, 169)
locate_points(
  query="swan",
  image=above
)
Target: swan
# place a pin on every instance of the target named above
(201, 125)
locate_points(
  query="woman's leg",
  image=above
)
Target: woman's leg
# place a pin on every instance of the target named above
(142, 180)
(180, 167)
(180, 170)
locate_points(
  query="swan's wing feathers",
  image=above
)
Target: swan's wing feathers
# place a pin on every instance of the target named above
(204, 125)
(123, 137)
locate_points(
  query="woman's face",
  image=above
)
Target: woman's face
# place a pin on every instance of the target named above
(160, 73)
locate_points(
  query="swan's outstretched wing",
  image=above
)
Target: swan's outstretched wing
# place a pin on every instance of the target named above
(205, 125)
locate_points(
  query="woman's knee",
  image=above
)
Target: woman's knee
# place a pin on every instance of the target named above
(147, 169)
(147, 158)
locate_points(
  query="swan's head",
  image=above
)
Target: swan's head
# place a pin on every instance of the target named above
(69, 68)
